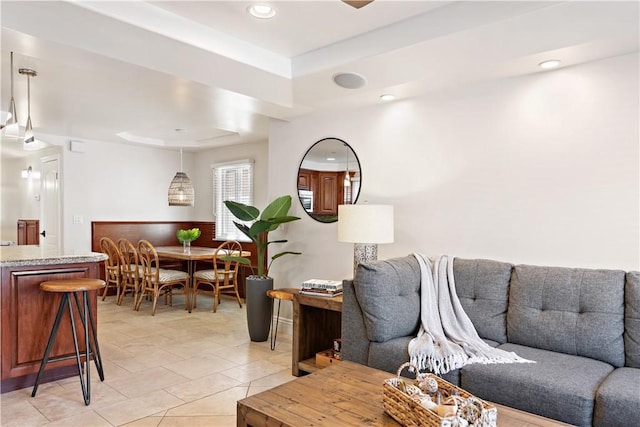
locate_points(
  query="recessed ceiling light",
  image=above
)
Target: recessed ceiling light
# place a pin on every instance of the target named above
(261, 10)
(331, 158)
(387, 97)
(552, 63)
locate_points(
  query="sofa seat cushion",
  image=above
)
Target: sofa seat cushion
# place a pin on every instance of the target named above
(388, 292)
(389, 355)
(558, 386)
(568, 310)
(632, 320)
(618, 399)
(483, 289)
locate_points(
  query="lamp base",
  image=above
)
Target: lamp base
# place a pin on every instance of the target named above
(363, 253)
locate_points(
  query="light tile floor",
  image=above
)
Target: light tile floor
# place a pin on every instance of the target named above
(172, 369)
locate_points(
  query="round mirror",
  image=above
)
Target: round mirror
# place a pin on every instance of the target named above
(329, 175)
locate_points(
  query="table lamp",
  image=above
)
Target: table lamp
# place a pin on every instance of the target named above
(365, 226)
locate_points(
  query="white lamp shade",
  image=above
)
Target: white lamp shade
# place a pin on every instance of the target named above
(365, 223)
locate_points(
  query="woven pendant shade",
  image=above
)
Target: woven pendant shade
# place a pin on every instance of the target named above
(181, 191)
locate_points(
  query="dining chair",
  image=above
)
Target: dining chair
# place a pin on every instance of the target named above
(224, 275)
(157, 280)
(112, 272)
(131, 268)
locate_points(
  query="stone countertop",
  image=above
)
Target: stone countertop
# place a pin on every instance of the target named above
(32, 255)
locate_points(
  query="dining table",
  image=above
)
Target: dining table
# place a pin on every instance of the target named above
(192, 255)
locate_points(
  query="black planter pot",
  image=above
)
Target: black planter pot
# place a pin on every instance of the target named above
(258, 308)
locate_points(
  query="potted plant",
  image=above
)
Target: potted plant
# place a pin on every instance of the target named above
(261, 224)
(186, 237)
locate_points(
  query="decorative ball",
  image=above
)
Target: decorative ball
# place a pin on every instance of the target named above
(471, 410)
(428, 385)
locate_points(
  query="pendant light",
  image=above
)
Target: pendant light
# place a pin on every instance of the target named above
(347, 176)
(11, 128)
(181, 191)
(29, 137)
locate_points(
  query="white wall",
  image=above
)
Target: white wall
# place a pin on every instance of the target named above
(541, 169)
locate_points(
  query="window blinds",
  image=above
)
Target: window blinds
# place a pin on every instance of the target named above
(231, 181)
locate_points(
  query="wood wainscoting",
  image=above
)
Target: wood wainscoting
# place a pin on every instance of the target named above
(163, 233)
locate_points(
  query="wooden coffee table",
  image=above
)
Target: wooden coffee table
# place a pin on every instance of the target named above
(345, 394)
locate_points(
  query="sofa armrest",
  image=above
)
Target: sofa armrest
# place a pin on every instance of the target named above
(355, 344)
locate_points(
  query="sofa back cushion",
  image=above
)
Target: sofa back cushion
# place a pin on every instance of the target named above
(388, 292)
(573, 311)
(483, 289)
(632, 320)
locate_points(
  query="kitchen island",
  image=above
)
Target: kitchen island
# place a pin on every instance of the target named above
(27, 313)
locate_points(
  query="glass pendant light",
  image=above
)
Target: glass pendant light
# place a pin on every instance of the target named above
(347, 175)
(11, 127)
(29, 137)
(181, 192)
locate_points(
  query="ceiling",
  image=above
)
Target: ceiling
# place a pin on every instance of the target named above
(200, 74)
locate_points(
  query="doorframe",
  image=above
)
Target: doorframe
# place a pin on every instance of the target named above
(46, 159)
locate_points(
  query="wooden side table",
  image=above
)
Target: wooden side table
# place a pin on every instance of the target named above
(280, 294)
(317, 321)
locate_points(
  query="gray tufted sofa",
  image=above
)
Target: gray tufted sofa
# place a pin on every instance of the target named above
(581, 326)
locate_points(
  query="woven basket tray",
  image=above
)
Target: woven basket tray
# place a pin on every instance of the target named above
(408, 411)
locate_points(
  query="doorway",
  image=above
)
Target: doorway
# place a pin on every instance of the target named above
(50, 216)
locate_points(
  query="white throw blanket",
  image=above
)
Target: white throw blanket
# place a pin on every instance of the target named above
(447, 339)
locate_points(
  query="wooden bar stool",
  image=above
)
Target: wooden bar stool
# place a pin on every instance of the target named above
(69, 287)
(279, 294)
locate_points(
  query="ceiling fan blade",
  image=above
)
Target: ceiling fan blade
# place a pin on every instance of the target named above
(357, 3)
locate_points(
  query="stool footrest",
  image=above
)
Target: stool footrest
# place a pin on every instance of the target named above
(71, 356)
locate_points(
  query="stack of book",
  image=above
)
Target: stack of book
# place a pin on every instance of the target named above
(321, 288)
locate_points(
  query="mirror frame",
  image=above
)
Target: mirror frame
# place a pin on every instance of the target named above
(329, 218)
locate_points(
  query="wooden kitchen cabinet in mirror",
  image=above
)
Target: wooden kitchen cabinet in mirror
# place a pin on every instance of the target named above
(329, 175)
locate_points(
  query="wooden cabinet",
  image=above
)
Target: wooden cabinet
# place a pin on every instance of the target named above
(327, 188)
(327, 194)
(317, 321)
(304, 180)
(28, 315)
(314, 188)
(28, 232)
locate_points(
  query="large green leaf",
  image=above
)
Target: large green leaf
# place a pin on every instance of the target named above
(275, 222)
(245, 230)
(259, 227)
(238, 259)
(279, 207)
(277, 241)
(241, 211)
(276, 256)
